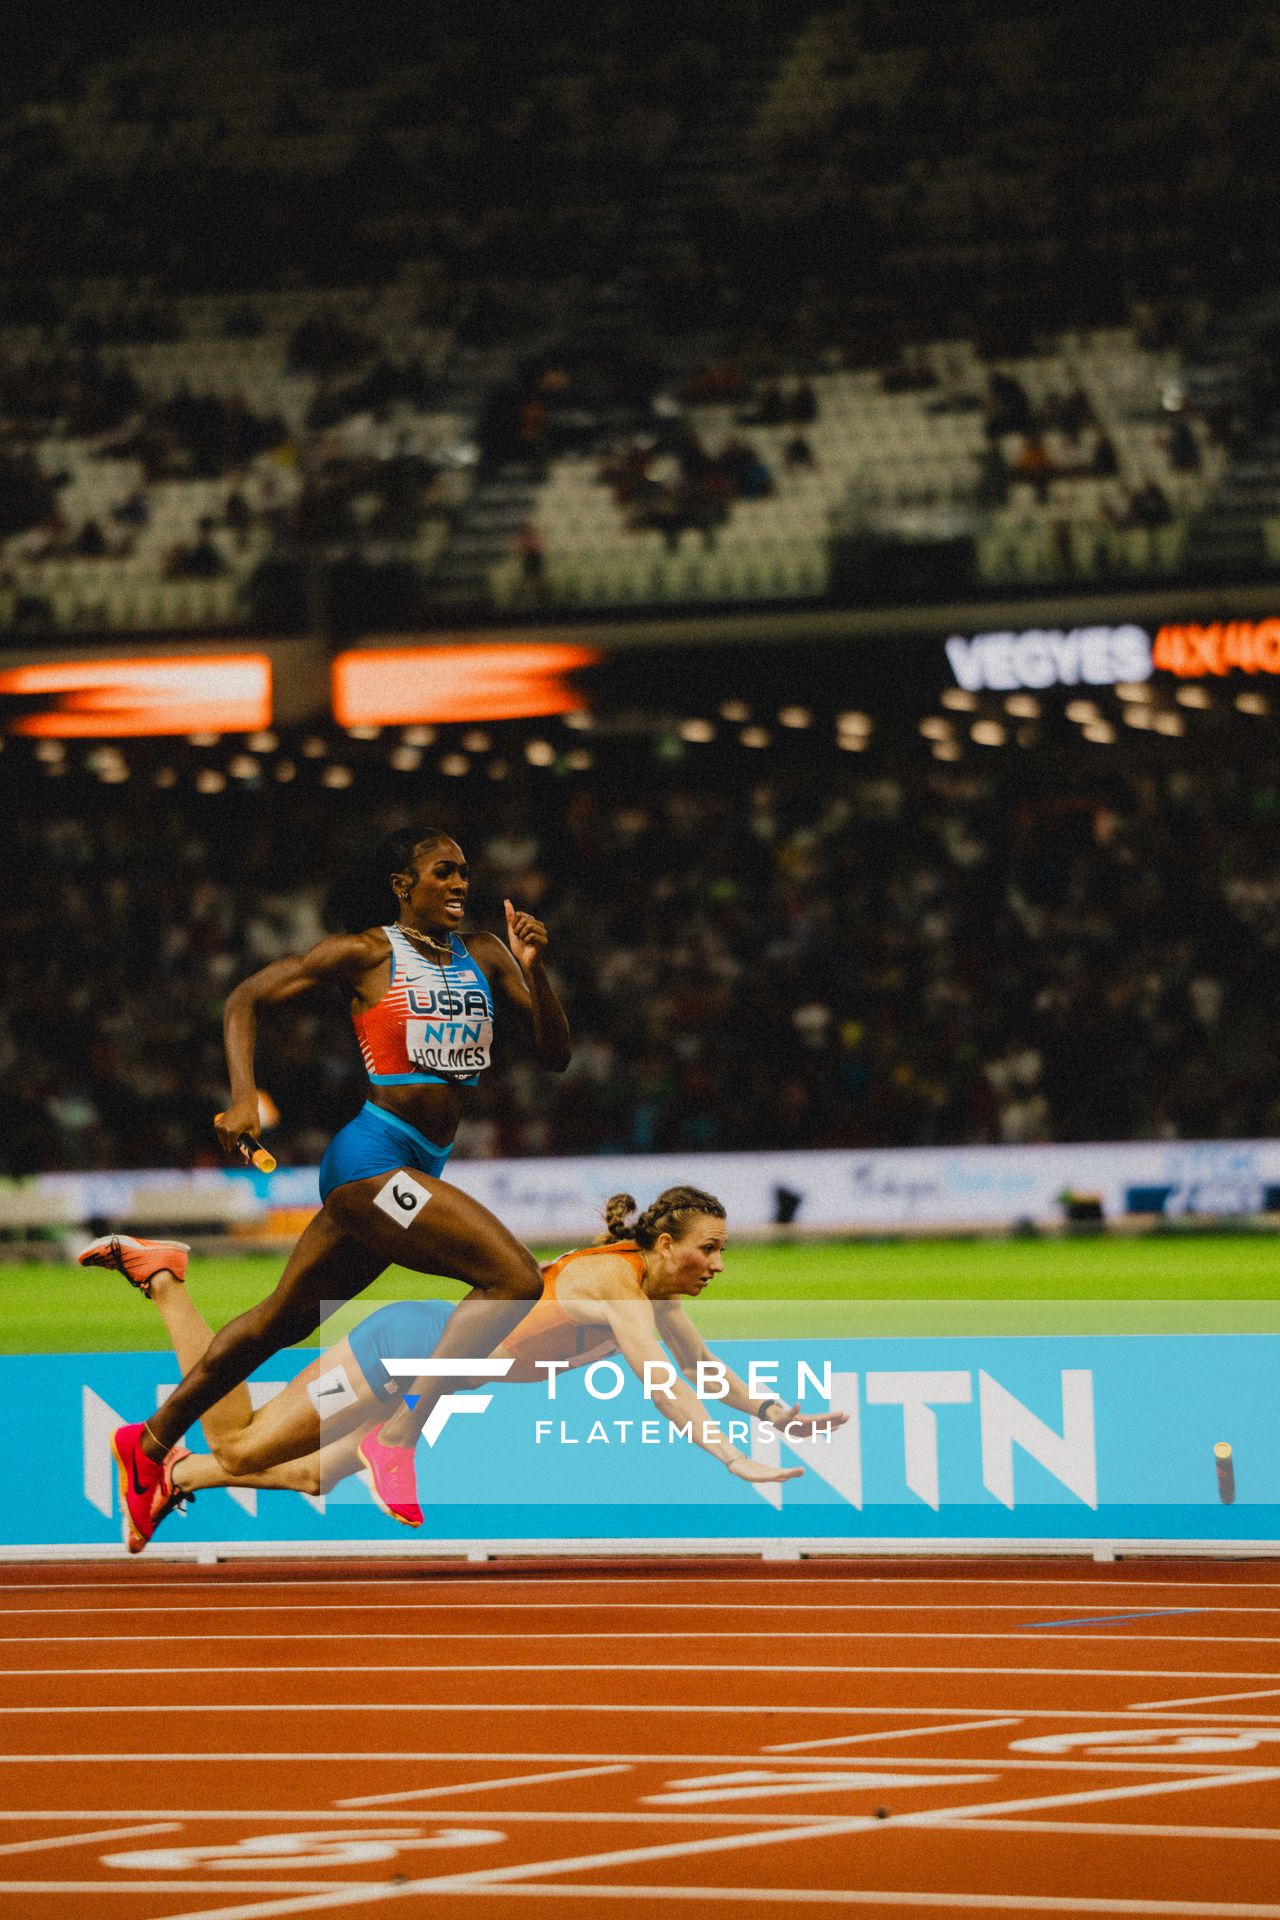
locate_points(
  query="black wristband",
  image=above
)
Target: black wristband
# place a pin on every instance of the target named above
(773, 1402)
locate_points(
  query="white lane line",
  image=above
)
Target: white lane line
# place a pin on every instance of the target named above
(472, 1786)
(1123, 1830)
(1143, 1789)
(1207, 1699)
(813, 1896)
(899, 1733)
(633, 1666)
(128, 1612)
(703, 1817)
(484, 1880)
(96, 1887)
(692, 1895)
(629, 1708)
(646, 1578)
(134, 1832)
(669, 1634)
(1056, 1763)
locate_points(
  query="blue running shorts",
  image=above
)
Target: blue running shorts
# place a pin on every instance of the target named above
(377, 1142)
(405, 1330)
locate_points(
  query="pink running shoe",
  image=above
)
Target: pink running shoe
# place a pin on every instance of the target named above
(147, 1492)
(392, 1480)
(138, 1260)
(141, 1485)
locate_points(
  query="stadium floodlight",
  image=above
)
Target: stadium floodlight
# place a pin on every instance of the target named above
(1255, 703)
(209, 780)
(1133, 690)
(699, 731)
(988, 733)
(164, 777)
(1169, 723)
(1083, 712)
(934, 727)
(958, 700)
(1100, 734)
(336, 776)
(753, 737)
(795, 717)
(854, 722)
(363, 733)
(1022, 706)
(497, 769)
(539, 753)
(284, 771)
(262, 742)
(946, 750)
(736, 712)
(314, 748)
(405, 759)
(418, 736)
(477, 740)
(454, 765)
(1194, 696)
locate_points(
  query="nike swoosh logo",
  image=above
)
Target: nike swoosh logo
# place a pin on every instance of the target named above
(322, 1393)
(133, 1474)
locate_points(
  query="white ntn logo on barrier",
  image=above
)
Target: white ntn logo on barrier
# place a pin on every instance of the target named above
(1041, 657)
(1004, 1423)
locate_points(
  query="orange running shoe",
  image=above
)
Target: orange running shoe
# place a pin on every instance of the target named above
(392, 1480)
(138, 1260)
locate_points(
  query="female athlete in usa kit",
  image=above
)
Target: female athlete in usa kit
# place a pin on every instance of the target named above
(423, 1007)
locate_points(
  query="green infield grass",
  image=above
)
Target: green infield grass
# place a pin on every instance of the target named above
(1160, 1283)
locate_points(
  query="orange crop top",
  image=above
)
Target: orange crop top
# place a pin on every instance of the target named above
(547, 1332)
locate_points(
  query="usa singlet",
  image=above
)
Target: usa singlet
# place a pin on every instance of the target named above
(434, 1022)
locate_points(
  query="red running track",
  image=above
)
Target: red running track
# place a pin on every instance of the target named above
(724, 1738)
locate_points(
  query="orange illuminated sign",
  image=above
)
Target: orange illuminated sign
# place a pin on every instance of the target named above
(1227, 646)
(388, 686)
(123, 699)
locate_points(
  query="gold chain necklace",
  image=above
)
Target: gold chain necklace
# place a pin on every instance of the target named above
(413, 933)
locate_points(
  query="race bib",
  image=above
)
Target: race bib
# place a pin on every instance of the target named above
(449, 1046)
(401, 1198)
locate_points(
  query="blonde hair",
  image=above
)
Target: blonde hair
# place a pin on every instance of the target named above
(670, 1213)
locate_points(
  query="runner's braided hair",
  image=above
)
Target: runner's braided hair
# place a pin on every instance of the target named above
(670, 1213)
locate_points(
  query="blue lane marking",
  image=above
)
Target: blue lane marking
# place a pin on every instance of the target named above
(1104, 1619)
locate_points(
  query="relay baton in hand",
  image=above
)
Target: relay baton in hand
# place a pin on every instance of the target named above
(252, 1149)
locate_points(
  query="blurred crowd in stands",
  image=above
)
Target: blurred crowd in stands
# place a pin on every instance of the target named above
(825, 959)
(599, 207)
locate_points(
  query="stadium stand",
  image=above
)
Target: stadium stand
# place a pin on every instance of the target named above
(803, 946)
(303, 260)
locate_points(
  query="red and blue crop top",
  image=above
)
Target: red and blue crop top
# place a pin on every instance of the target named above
(434, 1022)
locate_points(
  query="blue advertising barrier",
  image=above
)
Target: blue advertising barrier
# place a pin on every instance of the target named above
(992, 1440)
